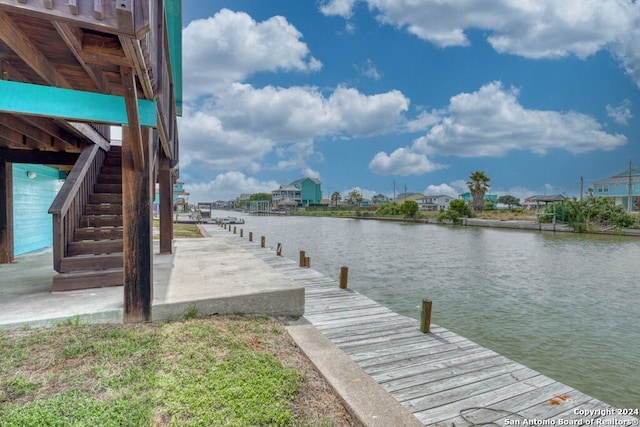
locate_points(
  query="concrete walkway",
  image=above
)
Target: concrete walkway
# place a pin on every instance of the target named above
(211, 275)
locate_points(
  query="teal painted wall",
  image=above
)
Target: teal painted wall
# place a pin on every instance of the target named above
(32, 227)
(310, 192)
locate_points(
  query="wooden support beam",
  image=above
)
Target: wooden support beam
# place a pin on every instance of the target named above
(124, 14)
(131, 103)
(42, 139)
(165, 205)
(6, 210)
(137, 232)
(41, 157)
(72, 36)
(19, 42)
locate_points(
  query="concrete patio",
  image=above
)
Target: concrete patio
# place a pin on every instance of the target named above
(210, 275)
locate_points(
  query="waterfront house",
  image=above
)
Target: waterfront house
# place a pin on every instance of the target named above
(70, 71)
(304, 192)
(408, 196)
(180, 199)
(623, 187)
(435, 202)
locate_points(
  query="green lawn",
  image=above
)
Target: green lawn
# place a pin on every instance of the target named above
(220, 371)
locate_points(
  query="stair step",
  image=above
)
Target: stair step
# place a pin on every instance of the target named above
(114, 162)
(111, 170)
(109, 179)
(108, 188)
(88, 279)
(91, 262)
(97, 233)
(102, 209)
(87, 247)
(100, 221)
(105, 198)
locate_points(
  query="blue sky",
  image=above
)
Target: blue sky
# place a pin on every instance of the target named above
(362, 94)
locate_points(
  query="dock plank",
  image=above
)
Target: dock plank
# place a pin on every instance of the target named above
(443, 378)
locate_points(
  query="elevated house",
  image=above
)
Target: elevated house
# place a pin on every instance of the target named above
(435, 202)
(69, 71)
(304, 192)
(623, 187)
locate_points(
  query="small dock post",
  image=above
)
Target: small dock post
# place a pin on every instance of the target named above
(234, 229)
(425, 316)
(307, 261)
(262, 241)
(279, 249)
(251, 236)
(344, 277)
(302, 258)
(241, 230)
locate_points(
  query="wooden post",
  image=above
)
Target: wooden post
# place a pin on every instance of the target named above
(6, 211)
(165, 207)
(301, 258)
(234, 229)
(262, 241)
(344, 277)
(425, 316)
(251, 236)
(279, 249)
(307, 261)
(241, 230)
(137, 229)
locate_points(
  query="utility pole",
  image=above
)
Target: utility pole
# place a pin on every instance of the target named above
(581, 187)
(629, 192)
(394, 191)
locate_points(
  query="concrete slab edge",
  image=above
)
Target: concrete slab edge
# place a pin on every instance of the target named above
(364, 398)
(109, 316)
(289, 302)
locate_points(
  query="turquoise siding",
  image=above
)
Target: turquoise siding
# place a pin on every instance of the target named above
(310, 192)
(32, 227)
(612, 190)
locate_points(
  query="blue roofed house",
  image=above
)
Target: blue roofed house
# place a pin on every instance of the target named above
(623, 187)
(304, 192)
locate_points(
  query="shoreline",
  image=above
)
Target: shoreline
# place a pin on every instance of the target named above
(497, 223)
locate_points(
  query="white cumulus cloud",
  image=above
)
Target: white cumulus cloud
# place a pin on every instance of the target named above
(227, 186)
(231, 46)
(528, 28)
(621, 113)
(491, 122)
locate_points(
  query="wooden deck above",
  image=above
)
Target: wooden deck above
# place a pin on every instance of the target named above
(117, 48)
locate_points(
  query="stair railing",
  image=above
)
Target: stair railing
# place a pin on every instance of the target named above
(68, 206)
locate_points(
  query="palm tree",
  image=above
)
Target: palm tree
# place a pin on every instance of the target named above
(335, 198)
(478, 185)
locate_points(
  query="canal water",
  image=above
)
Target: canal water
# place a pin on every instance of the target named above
(567, 305)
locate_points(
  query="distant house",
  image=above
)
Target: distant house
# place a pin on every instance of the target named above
(379, 199)
(305, 192)
(435, 202)
(408, 196)
(180, 199)
(623, 187)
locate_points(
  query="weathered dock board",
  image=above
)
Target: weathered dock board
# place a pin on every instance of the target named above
(444, 379)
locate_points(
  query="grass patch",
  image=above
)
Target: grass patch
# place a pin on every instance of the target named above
(220, 371)
(179, 230)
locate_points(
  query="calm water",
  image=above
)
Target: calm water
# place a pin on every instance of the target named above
(566, 305)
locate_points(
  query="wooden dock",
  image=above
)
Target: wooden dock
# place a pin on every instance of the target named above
(443, 378)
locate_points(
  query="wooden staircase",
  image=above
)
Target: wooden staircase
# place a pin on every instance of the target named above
(94, 255)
